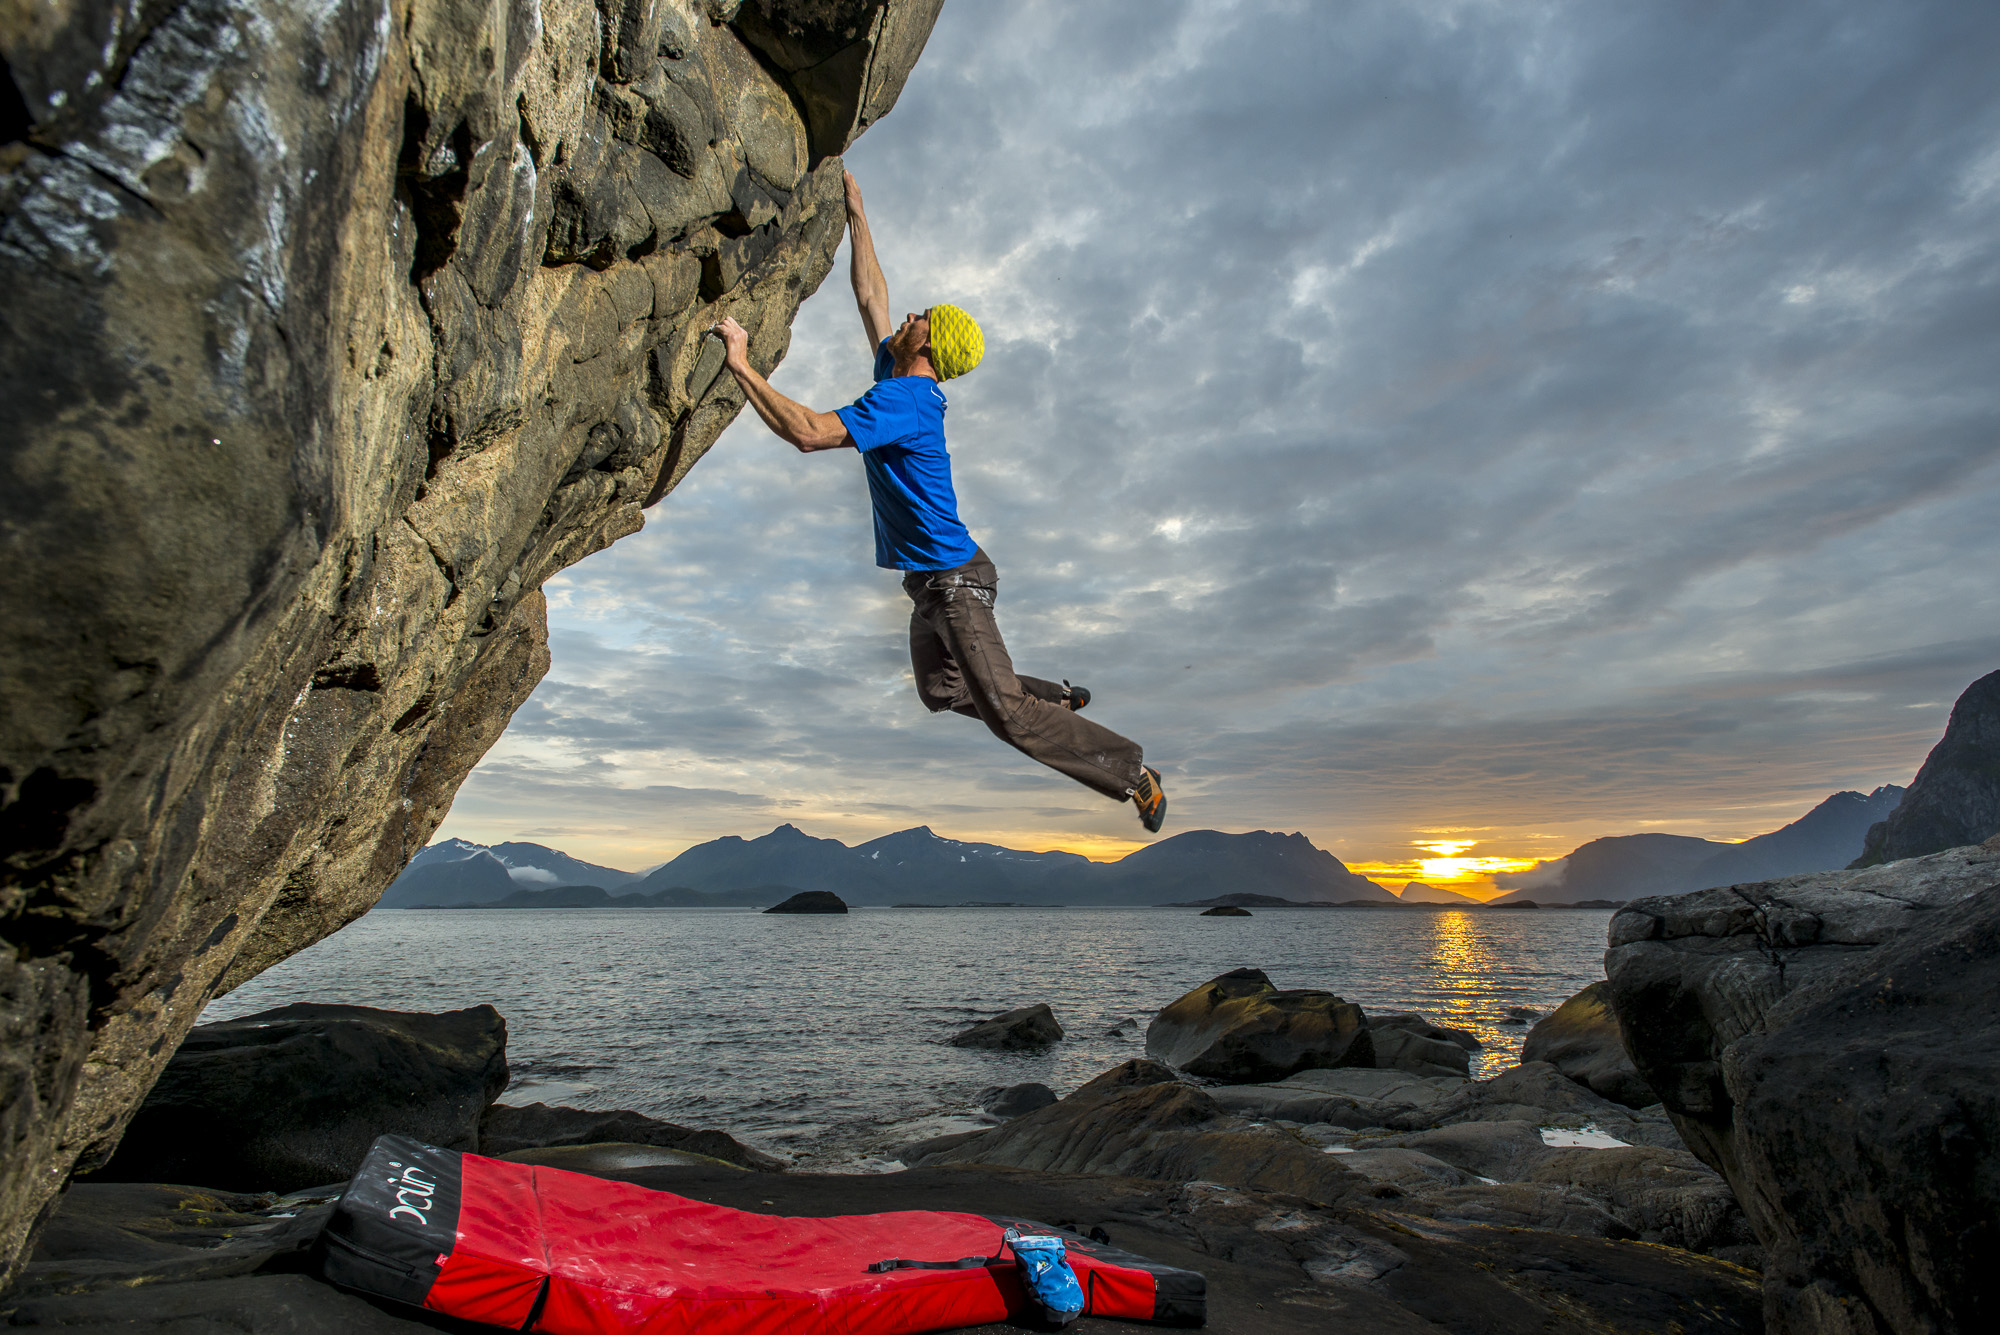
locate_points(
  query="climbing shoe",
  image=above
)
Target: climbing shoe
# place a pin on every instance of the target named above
(1151, 799)
(1075, 697)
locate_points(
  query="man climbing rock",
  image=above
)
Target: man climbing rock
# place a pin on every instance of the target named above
(955, 646)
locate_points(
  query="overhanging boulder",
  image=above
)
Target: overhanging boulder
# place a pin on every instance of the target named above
(332, 331)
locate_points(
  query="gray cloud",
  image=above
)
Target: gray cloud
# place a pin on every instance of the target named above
(1545, 420)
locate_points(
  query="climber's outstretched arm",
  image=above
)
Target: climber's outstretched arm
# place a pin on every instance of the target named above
(792, 421)
(871, 290)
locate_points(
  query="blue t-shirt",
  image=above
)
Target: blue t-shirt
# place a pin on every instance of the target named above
(899, 428)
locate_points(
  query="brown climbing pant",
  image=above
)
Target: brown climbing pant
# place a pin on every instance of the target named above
(962, 665)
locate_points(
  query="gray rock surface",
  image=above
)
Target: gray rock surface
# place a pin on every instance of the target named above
(1955, 798)
(1827, 1042)
(1027, 1027)
(331, 332)
(1237, 1027)
(1138, 1120)
(1583, 1041)
(1348, 1096)
(1469, 1152)
(293, 1097)
(505, 1129)
(1500, 1151)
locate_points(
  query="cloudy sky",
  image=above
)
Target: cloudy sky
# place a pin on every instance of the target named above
(1419, 423)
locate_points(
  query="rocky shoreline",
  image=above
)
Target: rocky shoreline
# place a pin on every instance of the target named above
(1354, 1192)
(1317, 1163)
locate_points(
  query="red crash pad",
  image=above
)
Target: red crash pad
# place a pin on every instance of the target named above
(540, 1249)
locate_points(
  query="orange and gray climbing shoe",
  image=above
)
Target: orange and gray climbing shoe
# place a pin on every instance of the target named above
(1151, 799)
(1075, 697)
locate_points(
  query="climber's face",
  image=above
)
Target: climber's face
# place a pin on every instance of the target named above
(912, 338)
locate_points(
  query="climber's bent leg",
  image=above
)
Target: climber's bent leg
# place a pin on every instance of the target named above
(961, 661)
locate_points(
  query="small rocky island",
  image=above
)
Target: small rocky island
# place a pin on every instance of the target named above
(811, 901)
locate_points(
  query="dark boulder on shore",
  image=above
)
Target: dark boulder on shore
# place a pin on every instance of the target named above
(811, 901)
(1582, 1039)
(1238, 1027)
(1029, 1027)
(293, 1097)
(1015, 1100)
(1409, 1042)
(1831, 1043)
(508, 1130)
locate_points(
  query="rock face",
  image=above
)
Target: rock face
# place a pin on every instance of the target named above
(293, 1097)
(1955, 798)
(1583, 1041)
(811, 901)
(1827, 1042)
(331, 332)
(1239, 1028)
(1868, 1129)
(1029, 1027)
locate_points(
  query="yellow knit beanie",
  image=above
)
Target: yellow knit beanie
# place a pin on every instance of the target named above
(956, 343)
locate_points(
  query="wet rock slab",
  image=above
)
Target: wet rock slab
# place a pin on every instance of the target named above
(506, 1131)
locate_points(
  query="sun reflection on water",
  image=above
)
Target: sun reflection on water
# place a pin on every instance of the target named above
(1461, 960)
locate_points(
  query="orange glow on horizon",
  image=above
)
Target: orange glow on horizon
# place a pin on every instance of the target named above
(1097, 850)
(1448, 868)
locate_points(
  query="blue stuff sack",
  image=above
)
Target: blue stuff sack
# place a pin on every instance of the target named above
(1053, 1292)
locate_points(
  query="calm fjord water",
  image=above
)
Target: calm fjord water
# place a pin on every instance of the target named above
(819, 1036)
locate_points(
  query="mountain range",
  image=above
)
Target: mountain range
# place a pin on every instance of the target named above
(1629, 866)
(920, 866)
(914, 865)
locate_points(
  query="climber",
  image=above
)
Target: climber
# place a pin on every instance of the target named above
(955, 646)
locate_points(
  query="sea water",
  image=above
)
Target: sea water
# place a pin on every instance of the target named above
(820, 1037)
